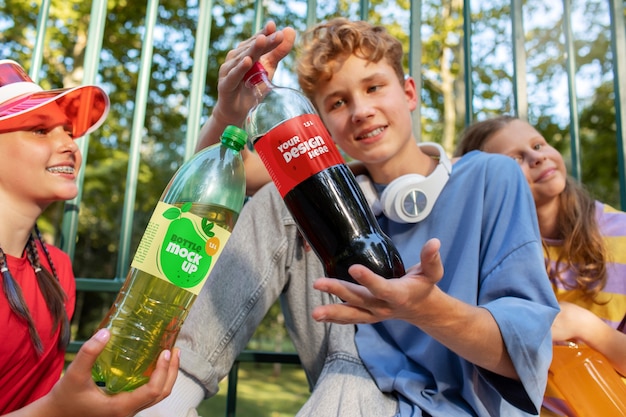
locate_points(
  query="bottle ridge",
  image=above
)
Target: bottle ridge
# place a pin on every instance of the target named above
(316, 185)
(182, 241)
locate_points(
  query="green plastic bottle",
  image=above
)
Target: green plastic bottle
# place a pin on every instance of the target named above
(185, 236)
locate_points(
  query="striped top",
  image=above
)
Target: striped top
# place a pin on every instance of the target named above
(612, 298)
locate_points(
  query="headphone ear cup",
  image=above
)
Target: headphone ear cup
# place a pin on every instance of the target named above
(403, 201)
(370, 193)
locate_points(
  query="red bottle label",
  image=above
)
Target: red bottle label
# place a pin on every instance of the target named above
(297, 149)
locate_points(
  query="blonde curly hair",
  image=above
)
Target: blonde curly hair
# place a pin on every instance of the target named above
(325, 46)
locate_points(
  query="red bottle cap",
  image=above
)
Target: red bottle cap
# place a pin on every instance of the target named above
(255, 74)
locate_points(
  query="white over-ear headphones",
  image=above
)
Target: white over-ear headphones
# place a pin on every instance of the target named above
(411, 197)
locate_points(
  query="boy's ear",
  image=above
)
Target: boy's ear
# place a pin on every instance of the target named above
(410, 92)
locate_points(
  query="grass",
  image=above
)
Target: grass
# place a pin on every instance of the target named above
(260, 393)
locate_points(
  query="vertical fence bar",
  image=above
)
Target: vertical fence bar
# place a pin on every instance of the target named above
(364, 9)
(91, 64)
(576, 171)
(198, 79)
(415, 61)
(259, 15)
(138, 126)
(519, 60)
(231, 393)
(40, 39)
(467, 62)
(618, 44)
(311, 12)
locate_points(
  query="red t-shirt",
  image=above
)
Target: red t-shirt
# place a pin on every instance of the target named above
(24, 375)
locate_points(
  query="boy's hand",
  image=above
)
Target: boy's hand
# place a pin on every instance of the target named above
(269, 47)
(378, 298)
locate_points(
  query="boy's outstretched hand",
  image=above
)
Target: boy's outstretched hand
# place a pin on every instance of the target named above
(77, 395)
(378, 298)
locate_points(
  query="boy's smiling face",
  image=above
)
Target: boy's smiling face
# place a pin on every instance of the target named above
(367, 110)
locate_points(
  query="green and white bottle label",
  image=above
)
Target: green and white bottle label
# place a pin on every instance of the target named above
(179, 246)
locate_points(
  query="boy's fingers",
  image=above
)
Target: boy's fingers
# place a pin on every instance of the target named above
(284, 48)
(430, 257)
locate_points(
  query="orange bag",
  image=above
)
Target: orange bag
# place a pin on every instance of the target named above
(587, 382)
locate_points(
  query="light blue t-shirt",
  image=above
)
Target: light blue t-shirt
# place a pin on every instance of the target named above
(491, 251)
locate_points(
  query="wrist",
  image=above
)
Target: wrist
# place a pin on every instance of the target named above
(44, 406)
(224, 118)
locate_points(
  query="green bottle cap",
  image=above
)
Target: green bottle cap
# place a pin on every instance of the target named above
(234, 137)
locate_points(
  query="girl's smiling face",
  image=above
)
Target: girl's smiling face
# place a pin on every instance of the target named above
(542, 165)
(41, 162)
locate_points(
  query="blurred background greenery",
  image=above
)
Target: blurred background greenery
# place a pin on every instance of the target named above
(262, 392)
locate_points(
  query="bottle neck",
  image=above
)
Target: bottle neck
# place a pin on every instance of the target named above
(232, 144)
(234, 138)
(260, 85)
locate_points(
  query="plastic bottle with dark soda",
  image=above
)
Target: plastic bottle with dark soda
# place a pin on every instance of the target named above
(317, 186)
(184, 238)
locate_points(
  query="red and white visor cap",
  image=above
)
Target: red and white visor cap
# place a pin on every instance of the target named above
(22, 101)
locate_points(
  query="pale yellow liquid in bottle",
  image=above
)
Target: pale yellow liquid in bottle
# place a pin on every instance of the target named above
(145, 319)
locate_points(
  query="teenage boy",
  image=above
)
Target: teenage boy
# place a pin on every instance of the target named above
(466, 332)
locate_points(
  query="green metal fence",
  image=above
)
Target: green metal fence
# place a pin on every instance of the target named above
(202, 35)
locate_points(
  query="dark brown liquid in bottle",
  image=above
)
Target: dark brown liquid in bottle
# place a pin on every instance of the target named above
(324, 205)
